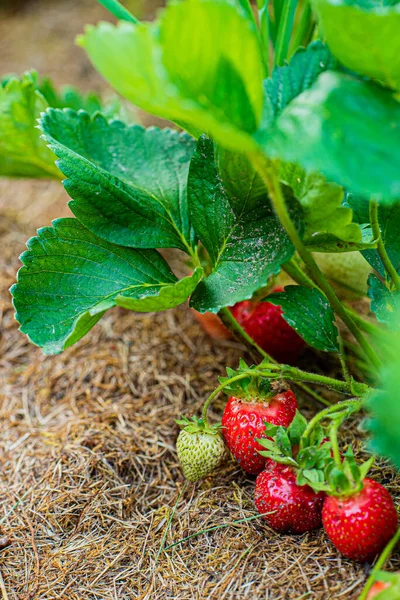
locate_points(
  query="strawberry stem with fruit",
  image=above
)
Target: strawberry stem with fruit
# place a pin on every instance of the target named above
(269, 174)
(289, 373)
(333, 436)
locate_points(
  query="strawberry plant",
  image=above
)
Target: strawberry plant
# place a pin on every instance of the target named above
(284, 158)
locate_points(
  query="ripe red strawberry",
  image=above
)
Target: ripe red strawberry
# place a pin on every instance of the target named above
(361, 524)
(244, 420)
(212, 325)
(263, 322)
(297, 509)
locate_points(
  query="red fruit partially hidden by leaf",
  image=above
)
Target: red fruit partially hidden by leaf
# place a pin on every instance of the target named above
(263, 322)
(377, 588)
(361, 525)
(297, 509)
(243, 421)
(212, 325)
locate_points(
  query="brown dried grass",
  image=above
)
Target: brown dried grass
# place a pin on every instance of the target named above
(91, 494)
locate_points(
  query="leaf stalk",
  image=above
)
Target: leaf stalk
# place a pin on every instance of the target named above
(269, 174)
(387, 263)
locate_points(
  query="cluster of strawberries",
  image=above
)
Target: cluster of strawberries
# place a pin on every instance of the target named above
(303, 481)
(299, 487)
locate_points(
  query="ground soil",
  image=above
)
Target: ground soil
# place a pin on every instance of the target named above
(91, 494)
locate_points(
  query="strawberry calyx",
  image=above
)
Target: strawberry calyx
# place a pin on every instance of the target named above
(313, 459)
(197, 425)
(347, 479)
(252, 388)
(308, 456)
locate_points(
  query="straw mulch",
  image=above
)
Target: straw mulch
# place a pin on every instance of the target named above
(91, 494)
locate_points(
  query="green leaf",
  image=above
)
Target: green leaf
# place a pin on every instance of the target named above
(212, 216)
(22, 100)
(384, 403)
(168, 296)
(298, 75)
(289, 81)
(70, 97)
(185, 68)
(309, 313)
(128, 184)
(329, 225)
(296, 428)
(22, 152)
(70, 278)
(283, 442)
(347, 24)
(389, 223)
(322, 131)
(238, 176)
(245, 239)
(384, 304)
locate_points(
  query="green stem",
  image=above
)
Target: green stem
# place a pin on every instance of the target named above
(119, 11)
(274, 371)
(245, 4)
(232, 324)
(323, 414)
(284, 31)
(278, 6)
(217, 391)
(364, 324)
(342, 358)
(333, 435)
(215, 528)
(380, 563)
(297, 274)
(387, 263)
(264, 26)
(271, 179)
(293, 374)
(304, 28)
(313, 394)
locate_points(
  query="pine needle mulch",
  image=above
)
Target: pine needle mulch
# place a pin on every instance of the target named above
(92, 501)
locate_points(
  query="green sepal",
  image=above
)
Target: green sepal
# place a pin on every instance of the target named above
(347, 479)
(248, 388)
(197, 425)
(296, 428)
(280, 441)
(312, 477)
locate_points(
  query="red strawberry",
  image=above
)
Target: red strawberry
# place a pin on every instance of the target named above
(212, 325)
(263, 322)
(361, 524)
(244, 420)
(297, 509)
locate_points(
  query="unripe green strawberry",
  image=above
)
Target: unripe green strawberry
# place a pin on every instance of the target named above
(347, 271)
(200, 448)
